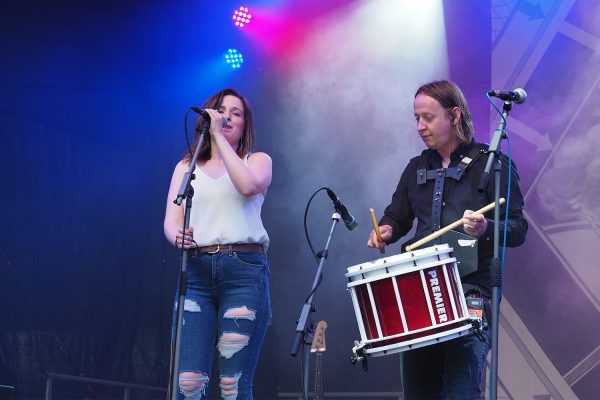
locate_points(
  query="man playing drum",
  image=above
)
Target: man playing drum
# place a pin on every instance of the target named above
(437, 188)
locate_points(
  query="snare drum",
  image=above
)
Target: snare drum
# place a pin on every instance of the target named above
(407, 301)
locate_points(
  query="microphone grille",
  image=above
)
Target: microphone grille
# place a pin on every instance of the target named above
(522, 95)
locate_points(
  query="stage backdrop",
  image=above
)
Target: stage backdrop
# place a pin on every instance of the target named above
(94, 96)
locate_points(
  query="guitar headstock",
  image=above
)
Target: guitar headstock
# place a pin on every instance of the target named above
(318, 344)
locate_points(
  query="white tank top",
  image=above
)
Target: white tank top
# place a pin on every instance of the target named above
(221, 215)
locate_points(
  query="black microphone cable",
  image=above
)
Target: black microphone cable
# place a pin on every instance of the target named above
(305, 226)
(315, 254)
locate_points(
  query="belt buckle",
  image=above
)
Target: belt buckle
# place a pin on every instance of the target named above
(216, 251)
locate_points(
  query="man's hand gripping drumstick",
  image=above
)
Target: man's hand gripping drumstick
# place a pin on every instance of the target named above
(379, 235)
(474, 223)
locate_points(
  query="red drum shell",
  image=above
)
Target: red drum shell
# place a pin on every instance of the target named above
(408, 300)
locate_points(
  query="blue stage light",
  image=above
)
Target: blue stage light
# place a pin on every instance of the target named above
(234, 58)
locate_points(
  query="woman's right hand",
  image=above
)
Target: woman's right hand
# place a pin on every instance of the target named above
(217, 122)
(187, 239)
(386, 234)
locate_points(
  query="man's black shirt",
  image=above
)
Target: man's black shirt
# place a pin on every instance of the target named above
(413, 200)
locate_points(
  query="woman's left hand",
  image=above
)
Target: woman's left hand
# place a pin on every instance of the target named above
(186, 240)
(474, 224)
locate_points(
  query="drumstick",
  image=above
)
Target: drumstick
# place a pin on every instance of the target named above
(376, 227)
(453, 225)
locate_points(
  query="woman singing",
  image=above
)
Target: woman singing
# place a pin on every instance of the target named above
(227, 304)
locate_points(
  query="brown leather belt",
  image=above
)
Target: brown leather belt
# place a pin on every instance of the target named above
(231, 248)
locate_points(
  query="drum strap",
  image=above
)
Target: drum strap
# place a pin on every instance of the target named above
(439, 175)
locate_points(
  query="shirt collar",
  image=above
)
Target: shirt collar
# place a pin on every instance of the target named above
(458, 154)
(461, 152)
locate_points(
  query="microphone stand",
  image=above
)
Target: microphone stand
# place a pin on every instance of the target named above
(185, 191)
(305, 329)
(494, 152)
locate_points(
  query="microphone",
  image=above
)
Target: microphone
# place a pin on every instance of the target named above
(518, 95)
(205, 115)
(348, 219)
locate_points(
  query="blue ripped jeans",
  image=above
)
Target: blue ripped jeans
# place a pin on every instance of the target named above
(226, 312)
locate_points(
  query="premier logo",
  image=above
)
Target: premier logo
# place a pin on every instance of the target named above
(437, 295)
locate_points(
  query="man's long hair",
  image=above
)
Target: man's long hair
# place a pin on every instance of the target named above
(449, 95)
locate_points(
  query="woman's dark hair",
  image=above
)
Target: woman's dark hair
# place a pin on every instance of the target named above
(449, 95)
(246, 141)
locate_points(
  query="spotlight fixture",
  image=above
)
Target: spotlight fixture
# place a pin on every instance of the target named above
(234, 58)
(241, 17)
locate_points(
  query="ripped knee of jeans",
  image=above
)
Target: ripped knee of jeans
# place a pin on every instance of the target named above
(243, 312)
(231, 342)
(193, 385)
(191, 305)
(229, 386)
